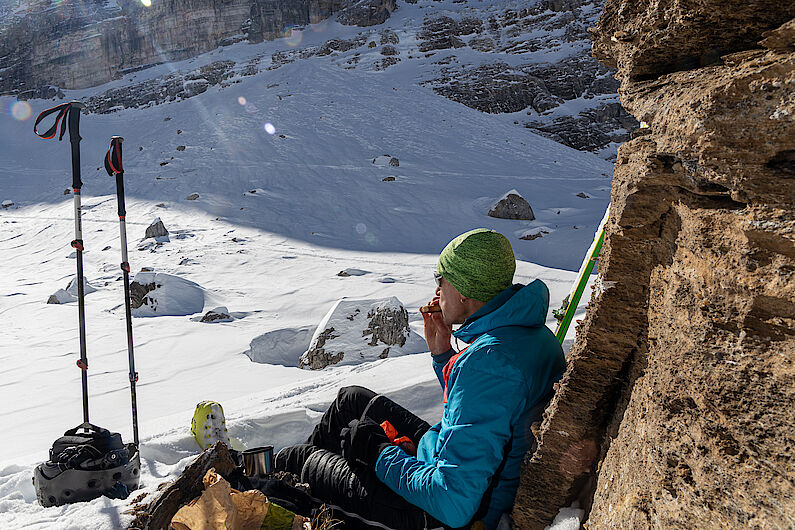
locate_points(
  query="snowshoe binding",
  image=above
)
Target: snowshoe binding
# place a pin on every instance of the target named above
(84, 466)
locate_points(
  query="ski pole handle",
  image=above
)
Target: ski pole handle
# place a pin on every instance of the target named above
(114, 165)
(75, 109)
(67, 112)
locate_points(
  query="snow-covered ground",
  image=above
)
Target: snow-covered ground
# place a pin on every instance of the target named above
(277, 217)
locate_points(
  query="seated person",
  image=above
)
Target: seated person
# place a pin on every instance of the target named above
(378, 465)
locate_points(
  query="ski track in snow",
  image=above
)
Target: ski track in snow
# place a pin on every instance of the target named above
(271, 257)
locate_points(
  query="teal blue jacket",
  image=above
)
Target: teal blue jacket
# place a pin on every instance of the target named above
(510, 365)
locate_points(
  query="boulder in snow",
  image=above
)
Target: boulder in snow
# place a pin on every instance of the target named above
(192, 197)
(156, 229)
(386, 161)
(351, 272)
(354, 331)
(7, 204)
(512, 206)
(61, 297)
(158, 294)
(64, 296)
(219, 314)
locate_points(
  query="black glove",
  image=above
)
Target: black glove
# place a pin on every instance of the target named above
(362, 441)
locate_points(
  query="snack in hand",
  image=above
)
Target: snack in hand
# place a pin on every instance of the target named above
(430, 309)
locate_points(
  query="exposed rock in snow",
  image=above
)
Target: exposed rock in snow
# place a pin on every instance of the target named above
(351, 272)
(534, 233)
(192, 197)
(64, 296)
(7, 204)
(386, 160)
(156, 229)
(281, 346)
(354, 331)
(512, 206)
(159, 294)
(366, 12)
(61, 297)
(219, 314)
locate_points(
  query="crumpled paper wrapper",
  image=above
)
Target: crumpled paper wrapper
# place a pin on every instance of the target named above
(222, 508)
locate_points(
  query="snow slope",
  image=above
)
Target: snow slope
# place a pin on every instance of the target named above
(271, 257)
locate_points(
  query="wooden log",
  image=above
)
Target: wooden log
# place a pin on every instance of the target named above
(157, 514)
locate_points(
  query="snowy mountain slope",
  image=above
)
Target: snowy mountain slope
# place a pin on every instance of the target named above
(277, 217)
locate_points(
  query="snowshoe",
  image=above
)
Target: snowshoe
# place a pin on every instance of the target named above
(84, 466)
(209, 425)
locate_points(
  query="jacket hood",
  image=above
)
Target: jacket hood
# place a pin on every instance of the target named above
(518, 305)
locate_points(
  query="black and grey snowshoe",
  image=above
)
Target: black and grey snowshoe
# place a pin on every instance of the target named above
(84, 466)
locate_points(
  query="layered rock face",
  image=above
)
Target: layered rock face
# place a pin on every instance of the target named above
(523, 79)
(83, 44)
(676, 410)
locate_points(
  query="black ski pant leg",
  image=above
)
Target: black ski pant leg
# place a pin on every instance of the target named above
(357, 496)
(352, 403)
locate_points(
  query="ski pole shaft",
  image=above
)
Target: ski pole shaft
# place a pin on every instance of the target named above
(113, 165)
(68, 116)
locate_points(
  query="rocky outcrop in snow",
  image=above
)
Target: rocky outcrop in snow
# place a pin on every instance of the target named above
(512, 206)
(156, 229)
(354, 331)
(678, 397)
(534, 86)
(160, 294)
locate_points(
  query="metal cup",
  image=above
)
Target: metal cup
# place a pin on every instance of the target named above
(258, 462)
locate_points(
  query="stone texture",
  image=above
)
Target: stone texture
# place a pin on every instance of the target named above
(591, 130)
(219, 314)
(138, 293)
(317, 357)
(512, 206)
(676, 406)
(156, 229)
(366, 12)
(648, 39)
(356, 331)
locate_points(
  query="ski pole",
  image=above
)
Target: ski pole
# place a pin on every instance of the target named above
(113, 165)
(70, 112)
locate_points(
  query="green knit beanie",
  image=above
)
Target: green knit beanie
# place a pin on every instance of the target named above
(479, 264)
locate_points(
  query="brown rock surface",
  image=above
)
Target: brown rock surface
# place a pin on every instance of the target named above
(678, 404)
(649, 38)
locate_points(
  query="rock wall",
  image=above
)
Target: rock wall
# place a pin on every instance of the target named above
(76, 44)
(676, 409)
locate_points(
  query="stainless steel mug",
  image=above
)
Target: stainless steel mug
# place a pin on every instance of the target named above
(258, 461)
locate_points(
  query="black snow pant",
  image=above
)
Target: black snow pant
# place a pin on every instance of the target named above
(353, 491)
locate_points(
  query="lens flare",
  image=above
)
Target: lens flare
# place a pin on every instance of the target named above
(293, 35)
(250, 108)
(147, 3)
(242, 100)
(21, 110)
(361, 228)
(269, 128)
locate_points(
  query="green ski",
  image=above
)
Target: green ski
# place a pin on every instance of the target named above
(565, 314)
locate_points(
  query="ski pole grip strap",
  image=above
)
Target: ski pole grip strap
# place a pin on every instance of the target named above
(62, 110)
(113, 161)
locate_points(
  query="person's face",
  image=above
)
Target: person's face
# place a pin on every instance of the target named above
(451, 301)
